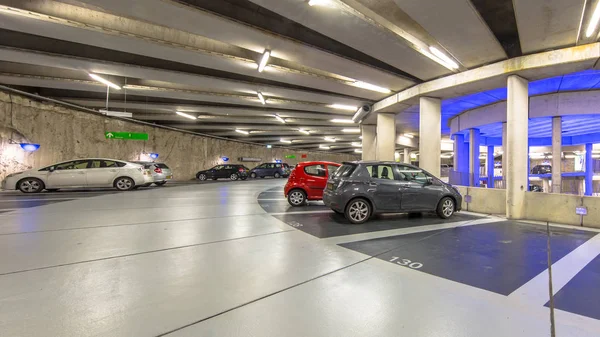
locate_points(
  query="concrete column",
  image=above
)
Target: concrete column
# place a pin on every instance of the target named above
(406, 158)
(369, 141)
(490, 166)
(430, 135)
(461, 160)
(474, 157)
(517, 140)
(504, 164)
(589, 169)
(386, 136)
(556, 154)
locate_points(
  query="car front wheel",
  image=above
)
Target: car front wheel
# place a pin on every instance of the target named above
(358, 211)
(124, 184)
(277, 175)
(31, 185)
(445, 208)
(234, 177)
(201, 176)
(297, 198)
(253, 175)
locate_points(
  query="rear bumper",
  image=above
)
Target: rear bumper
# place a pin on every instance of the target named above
(333, 200)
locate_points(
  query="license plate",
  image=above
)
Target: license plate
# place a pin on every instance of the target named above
(169, 177)
(329, 186)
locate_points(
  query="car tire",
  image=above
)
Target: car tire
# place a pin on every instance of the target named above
(358, 211)
(445, 208)
(124, 184)
(253, 175)
(201, 176)
(234, 177)
(277, 175)
(30, 185)
(160, 183)
(297, 198)
(243, 178)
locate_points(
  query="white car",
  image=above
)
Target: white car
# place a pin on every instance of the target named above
(80, 173)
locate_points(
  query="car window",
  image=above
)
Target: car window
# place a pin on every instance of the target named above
(277, 165)
(107, 164)
(72, 165)
(228, 167)
(407, 173)
(218, 167)
(315, 170)
(344, 171)
(262, 166)
(332, 169)
(270, 166)
(383, 172)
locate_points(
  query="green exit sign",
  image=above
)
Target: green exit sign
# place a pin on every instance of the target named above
(290, 156)
(126, 135)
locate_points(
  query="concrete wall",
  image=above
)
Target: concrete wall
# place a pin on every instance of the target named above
(555, 208)
(66, 134)
(484, 200)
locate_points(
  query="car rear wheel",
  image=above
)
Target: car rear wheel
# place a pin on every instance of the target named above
(297, 198)
(252, 175)
(445, 208)
(124, 184)
(358, 211)
(201, 176)
(234, 176)
(277, 175)
(31, 185)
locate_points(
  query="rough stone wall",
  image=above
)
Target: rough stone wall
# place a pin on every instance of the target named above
(65, 134)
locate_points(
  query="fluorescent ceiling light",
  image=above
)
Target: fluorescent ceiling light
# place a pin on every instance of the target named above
(356, 144)
(358, 151)
(104, 81)
(279, 118)
(443, 57)
(183, 114)
(285, 141)
(593, 22)
(329, 139)
(264, 61)
(437, 59)
(409, 135)
(343, 107)
(304, 131)
(318, 2)
(262, 98)
(324, 147)
(372, 87)
(342, 121)
(242, 131)
(355, 130)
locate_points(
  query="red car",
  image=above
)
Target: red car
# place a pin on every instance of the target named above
(307, 181)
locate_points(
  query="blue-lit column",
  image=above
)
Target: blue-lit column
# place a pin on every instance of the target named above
(464, 164)
(461, 161)
(490, 166)
(589, 169)
(474, 157)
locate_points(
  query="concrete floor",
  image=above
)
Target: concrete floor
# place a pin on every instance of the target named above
(212, 260)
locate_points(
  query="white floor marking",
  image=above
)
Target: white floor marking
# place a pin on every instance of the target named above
(280, 199)
(402, 231)
(44, 199)
(305, 212)
(536, 290)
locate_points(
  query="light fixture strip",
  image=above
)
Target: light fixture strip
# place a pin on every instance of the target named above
(356, 130)
(285, 141)
(183, 114)
(593, 24)
(261, 98)
(343, 107)
(279, 118)
(264, 60)
(242, 131)
(342, 121)
(104, 81)
(371, 87)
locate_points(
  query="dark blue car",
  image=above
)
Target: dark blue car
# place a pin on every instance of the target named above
(276, 170)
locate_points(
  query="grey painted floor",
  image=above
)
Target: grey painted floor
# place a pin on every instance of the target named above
(208, 260)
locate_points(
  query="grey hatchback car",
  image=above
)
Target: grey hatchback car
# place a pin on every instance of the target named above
(361, 189)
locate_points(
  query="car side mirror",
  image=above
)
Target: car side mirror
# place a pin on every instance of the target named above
(429, 181)
(52, 169)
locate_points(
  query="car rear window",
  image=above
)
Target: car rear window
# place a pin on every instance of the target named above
(344, 171)
(121, 164)
(162, 165)
(315, 170)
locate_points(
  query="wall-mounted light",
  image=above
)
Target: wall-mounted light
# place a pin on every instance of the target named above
(30, 147)
(104, 81)
(269, 146)
(153, 155)
(264, 60)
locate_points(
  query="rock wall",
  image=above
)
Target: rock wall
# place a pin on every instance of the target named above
(65, 134)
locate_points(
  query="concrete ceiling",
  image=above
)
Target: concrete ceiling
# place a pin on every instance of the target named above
(201, 56)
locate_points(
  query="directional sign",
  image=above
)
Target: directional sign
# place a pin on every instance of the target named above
(290, 156)
(126, 135)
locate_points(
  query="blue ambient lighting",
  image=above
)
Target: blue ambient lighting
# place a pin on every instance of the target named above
(154, 155)
(225, 159)
(29, 147)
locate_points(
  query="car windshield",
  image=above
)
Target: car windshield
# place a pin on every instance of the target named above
(344, 171)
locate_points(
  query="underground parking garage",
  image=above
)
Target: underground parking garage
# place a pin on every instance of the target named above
(299, 168)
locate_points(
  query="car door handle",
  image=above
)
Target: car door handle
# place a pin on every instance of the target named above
(373, 184)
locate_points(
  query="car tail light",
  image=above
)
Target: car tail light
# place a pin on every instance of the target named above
(241, 169)
(158, 170)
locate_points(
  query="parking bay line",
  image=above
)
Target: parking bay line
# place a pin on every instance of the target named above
(302, 212)
(35, 200)
(536, 290)
(410, 230)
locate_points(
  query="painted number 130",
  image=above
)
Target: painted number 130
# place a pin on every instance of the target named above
(406, 263)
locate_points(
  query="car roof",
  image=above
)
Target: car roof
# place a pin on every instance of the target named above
(375, 162)
(317, 162)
